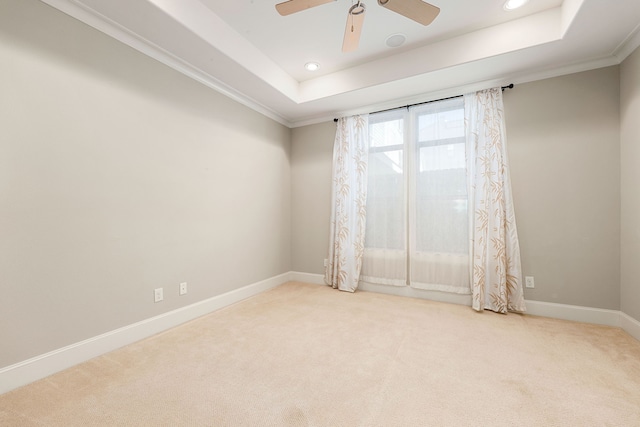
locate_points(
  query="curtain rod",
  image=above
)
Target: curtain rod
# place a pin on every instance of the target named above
(509, 86)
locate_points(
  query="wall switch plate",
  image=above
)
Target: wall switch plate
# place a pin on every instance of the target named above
(183, 288)
(528, 282)
(158, 295)
(326, 262)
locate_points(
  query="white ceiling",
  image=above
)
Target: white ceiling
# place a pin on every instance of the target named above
(246, 50)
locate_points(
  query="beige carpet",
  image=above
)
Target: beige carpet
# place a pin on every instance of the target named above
(307, 355)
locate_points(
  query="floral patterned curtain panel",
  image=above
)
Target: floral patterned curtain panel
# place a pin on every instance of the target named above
(496, 271)
(348, 203)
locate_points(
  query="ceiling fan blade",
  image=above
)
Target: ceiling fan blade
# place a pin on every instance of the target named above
(417, 10)
(293, 6)
(355, 21)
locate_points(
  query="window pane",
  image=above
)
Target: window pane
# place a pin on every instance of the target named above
(385, 227)
(435, 126)
(441, 199)
(442, 157)
(386, 133)
(417, 198)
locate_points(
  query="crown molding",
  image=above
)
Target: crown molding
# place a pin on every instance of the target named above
(107, 26)
(629, 45)
(460, 90)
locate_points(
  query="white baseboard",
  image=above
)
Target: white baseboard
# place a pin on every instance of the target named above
(575, 313)
(537, 308)
(314, 279)
(598, 316)
(630, 325)
(25, 372)
(408, 291)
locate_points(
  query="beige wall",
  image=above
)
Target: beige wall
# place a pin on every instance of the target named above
(563, 144)
(119, 175)
(630, 184)
(311, 157)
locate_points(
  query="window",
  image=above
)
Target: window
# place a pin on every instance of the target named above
(417, 219)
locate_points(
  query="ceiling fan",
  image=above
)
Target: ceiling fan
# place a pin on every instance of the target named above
(417, 10)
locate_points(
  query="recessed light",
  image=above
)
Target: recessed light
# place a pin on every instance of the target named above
(514, 4)
(311, 66)
(395, 40)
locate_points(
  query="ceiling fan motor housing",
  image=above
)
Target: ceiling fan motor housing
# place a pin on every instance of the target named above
(357, 9)
(416, 10)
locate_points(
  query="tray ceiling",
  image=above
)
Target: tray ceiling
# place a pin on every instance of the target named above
(245, 49)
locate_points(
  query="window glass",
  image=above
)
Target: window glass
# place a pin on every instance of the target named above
(440, 125)
(417, 219)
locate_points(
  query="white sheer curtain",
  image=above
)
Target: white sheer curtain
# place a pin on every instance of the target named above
(385, 252)
(496, 272)
(348, 203)
(439, 207)
(417, 217)
(438, 216)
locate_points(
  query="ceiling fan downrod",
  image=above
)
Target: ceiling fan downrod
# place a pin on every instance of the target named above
(358, 9)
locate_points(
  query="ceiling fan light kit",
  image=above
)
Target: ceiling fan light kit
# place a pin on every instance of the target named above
(416, 10)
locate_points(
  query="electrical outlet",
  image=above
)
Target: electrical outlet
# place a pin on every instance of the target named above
(183, 288)
(528, 282)
(326, 262)
(158, 295)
